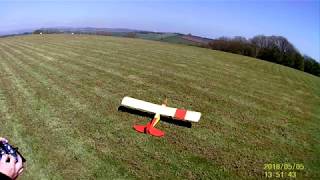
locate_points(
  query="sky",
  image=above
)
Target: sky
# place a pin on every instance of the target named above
(298, 21)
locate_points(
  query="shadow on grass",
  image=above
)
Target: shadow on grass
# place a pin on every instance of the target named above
(151, 115)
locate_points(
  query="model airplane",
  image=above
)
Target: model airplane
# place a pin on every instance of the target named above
(159, 110)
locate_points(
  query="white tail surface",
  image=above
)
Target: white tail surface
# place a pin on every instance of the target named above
(162, 110)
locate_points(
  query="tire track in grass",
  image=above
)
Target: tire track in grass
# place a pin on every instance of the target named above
(13, 124)
(77, 146)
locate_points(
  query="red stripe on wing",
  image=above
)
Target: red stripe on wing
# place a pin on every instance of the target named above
(180, 114)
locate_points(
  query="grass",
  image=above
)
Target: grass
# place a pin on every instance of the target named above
(59, 96)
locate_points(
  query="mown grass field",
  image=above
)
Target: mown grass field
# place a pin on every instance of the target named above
(59, 96)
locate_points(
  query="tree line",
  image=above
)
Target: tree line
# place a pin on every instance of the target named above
(276, 49)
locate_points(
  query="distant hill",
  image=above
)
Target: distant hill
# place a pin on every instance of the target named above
(16, 32)
(87, 30)
(169, 37)
(196, 39)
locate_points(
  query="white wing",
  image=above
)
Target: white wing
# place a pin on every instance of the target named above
(162, 110)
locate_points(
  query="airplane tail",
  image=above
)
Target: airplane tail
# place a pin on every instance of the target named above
(149, 129)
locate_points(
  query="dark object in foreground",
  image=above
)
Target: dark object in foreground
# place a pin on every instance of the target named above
(6, 148)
